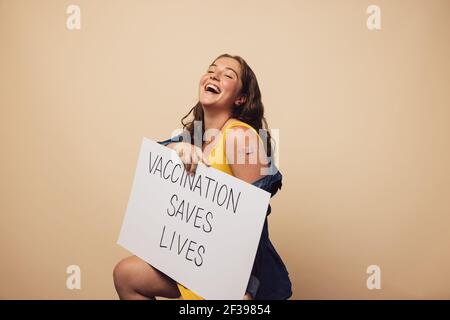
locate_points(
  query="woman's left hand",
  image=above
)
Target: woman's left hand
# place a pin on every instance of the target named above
(248, 296)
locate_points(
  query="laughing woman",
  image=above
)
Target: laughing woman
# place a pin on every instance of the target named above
(236, 141)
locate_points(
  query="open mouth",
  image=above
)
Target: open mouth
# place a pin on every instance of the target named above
(212, 88)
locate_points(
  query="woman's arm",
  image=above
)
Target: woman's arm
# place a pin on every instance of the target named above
(245, 154)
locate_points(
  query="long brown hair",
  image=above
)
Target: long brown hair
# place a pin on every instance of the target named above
(250, 112)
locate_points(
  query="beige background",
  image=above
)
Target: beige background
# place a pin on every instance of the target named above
(363, 118)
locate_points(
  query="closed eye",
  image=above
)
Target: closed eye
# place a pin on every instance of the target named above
(230, 77)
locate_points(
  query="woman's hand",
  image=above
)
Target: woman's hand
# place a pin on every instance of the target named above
(189, 154)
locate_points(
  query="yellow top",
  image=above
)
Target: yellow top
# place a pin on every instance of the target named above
(218, 160)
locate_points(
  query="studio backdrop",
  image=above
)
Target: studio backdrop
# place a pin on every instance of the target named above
(358, 91)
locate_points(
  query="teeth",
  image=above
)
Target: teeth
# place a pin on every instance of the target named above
(215, 88)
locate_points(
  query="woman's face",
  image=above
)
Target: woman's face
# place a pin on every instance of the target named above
(221, 84)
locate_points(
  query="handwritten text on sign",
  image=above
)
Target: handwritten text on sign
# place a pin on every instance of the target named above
(201, 230)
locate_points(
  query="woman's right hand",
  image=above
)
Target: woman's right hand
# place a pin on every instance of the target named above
(189, 154)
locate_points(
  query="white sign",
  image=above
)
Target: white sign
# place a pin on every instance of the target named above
(202, 230)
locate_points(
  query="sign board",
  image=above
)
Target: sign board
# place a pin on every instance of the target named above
(201, 230)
